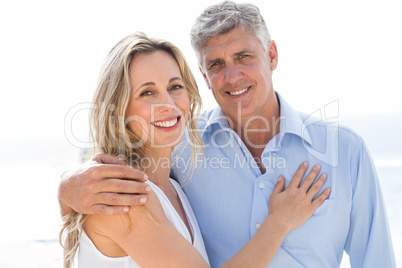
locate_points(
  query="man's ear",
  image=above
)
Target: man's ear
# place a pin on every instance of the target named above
(273, 55)
(205, 77)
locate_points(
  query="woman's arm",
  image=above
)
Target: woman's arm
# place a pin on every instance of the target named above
(146, 234)
(151, 240)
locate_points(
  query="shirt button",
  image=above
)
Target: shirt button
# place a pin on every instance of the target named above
(261, 185)
(258, 225)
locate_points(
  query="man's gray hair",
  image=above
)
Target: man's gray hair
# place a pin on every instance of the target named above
(222, 18)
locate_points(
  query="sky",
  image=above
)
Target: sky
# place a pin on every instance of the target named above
(347, 52)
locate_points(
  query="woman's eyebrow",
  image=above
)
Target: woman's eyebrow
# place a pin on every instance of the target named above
(146, 84)
(175, 78)
(153, 84)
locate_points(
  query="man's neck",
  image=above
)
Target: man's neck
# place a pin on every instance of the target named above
(257, 131)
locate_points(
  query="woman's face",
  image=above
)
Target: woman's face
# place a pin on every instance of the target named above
(159, 105)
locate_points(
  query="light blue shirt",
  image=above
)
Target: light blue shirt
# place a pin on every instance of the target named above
(229, 194)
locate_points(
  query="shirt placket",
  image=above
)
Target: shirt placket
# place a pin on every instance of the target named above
(263, 184)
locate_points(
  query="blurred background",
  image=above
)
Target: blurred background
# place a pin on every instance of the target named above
(343, 53)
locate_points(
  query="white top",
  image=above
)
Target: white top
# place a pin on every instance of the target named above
(90, 256)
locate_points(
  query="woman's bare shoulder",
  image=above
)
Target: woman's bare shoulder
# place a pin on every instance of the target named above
(136, 217)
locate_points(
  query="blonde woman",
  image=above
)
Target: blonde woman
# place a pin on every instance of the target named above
(145, 99)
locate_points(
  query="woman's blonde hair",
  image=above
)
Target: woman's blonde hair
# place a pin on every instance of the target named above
(108, 126)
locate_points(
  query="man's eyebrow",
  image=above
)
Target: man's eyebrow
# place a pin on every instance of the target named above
(243, 52)
(209, 62)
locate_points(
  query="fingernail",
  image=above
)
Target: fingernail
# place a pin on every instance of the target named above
(327, 191)
(324, 176)
(143, 199)
(316, 167)
(126, 209)
(148, 188)
(305, 163)
(280, 179)
(145, 177)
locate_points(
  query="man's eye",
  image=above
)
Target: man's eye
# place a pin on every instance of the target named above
(243, 56)
(214, 64)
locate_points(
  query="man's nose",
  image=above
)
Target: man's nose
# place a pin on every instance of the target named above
(232, 73)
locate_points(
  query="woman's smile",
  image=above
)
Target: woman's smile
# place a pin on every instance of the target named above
(167, 123)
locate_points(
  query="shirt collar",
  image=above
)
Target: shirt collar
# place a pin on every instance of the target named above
(218, 117)
(290, 122)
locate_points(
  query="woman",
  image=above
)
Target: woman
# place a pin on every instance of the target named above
(146, 96)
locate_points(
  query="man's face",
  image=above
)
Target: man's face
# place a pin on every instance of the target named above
(239, 72)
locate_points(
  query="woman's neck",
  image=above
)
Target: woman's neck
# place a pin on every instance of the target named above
(157, 164)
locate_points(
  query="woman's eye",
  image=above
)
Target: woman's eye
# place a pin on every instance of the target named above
(176, 87)
(146, 93)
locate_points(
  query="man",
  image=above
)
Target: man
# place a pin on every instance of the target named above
(250, 139)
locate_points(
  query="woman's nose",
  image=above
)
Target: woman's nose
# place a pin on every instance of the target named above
(165, 103)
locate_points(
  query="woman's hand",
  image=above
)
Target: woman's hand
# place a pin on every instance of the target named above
(294, 205)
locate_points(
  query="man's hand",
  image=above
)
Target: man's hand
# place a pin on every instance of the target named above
(103, 185)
